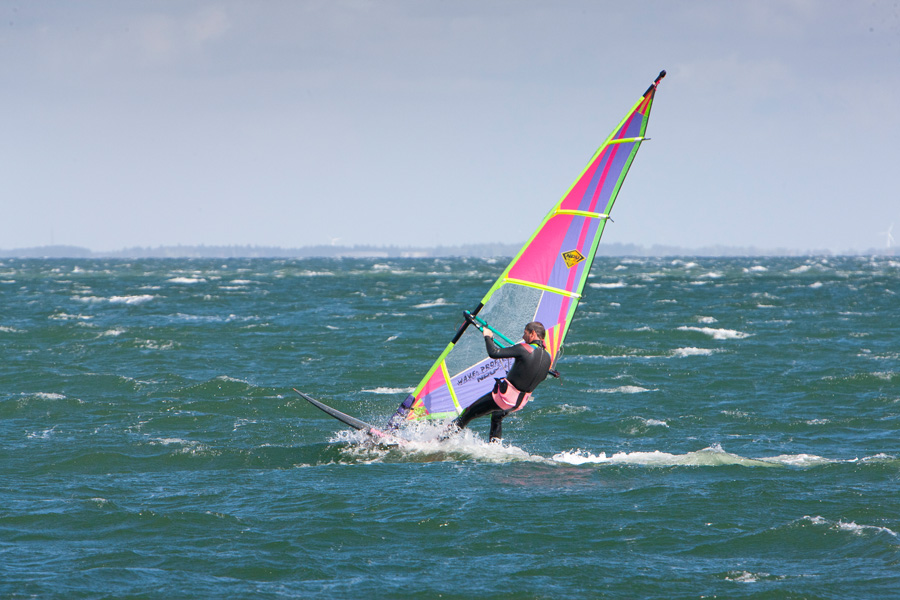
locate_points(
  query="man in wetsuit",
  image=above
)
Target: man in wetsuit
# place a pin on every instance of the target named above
(531, 366)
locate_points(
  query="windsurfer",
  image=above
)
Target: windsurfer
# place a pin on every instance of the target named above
(531, 366)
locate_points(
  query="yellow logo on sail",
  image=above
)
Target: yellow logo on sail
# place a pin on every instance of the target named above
(572, 258)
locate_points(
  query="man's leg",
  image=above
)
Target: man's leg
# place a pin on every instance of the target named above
(497, 424)
(479, 408)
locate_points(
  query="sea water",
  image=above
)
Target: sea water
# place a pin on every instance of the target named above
(723, 428)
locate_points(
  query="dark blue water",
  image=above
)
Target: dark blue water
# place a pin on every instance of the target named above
(723, 428)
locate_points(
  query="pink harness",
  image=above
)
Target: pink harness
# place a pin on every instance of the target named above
(506, 395)
(507, 400)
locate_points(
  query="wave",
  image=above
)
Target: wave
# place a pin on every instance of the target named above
(564, 409)
(624, 389)
(748, 577)
(609, 286)
(48, 396)
(136, 299)
(714, 456)
(850, 526)
(438, 302)
(422, 443)
(388, 390)
(708, 457)
(130, 300)
(684, 352)
(717, 334)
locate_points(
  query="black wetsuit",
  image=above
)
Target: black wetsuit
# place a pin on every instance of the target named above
(531, 367)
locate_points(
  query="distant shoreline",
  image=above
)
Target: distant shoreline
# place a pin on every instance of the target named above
(366, 251)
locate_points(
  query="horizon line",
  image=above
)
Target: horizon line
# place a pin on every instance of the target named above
(482, 250)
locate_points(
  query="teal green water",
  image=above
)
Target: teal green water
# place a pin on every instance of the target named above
(723, 428)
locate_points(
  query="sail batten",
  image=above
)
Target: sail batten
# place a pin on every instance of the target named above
(583, 213)
(546, 288)
(543, 282)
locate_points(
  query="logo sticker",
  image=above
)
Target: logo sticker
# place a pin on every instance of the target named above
(572, 258)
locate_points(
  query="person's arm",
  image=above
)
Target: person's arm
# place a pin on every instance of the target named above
(494, 351)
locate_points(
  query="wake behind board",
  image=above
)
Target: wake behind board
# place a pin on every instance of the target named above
(382, 437)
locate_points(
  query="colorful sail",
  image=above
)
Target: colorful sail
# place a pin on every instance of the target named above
(542, 283)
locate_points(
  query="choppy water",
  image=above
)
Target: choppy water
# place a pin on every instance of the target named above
(724, 427)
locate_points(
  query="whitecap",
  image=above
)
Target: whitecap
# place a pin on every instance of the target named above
(187, 280)
(568, 409)
(169, 441)
(686, 265)
(713, 456)
(155, 345)
(746, 576)
(41, 435)
(609, 286)
(849, 526)
(684, 352)
(242, 422)
(388, 390)
(48, 396)
(138, 299)
(625, 389)
(718, 334)
(438, 302)
(860, 529)
(799, 460)
(232, 379)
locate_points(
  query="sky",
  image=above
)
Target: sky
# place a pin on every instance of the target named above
(424, 123)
